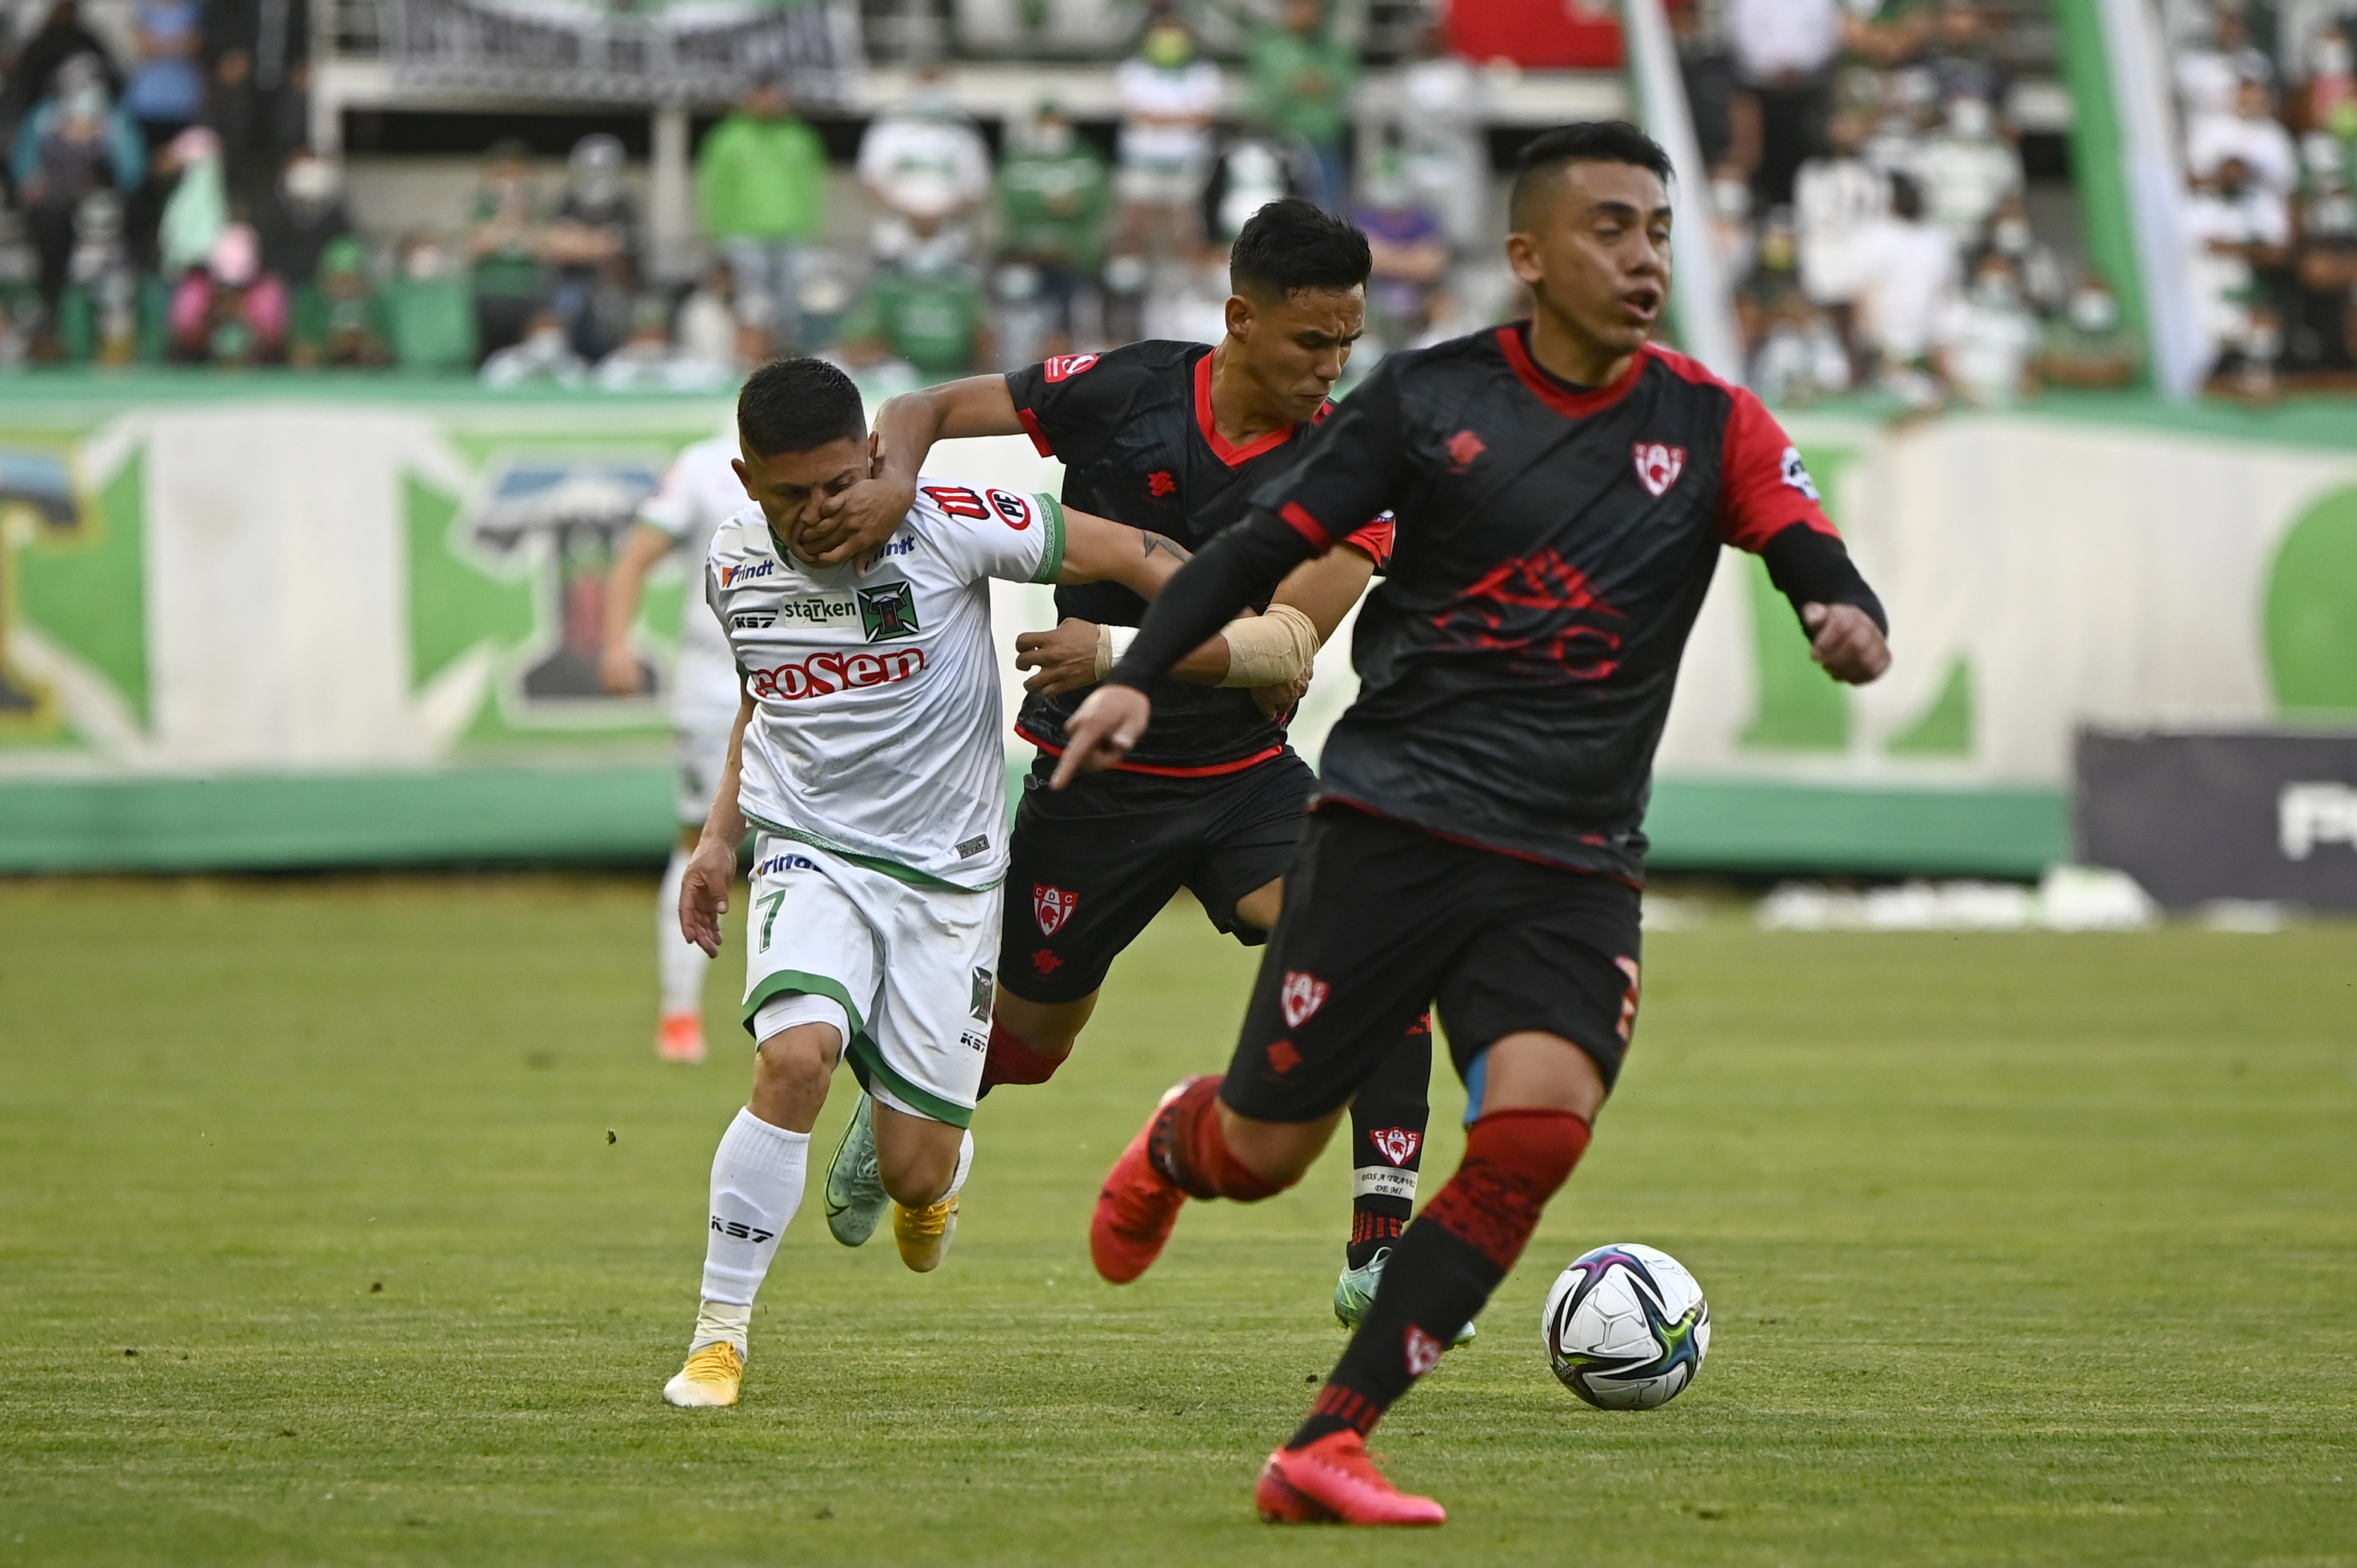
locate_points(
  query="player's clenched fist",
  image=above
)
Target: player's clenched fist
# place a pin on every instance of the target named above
(1844, 639)
(1101, 732)
(703, 893)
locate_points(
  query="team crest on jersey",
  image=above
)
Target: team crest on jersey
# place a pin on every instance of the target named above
(1797, 474)
(1064, 367)
(1052, 906)
(984, 991)
(1397, 1145)
(1301, 995)
(1658, 467)
(887, 610)
(1423, 1351)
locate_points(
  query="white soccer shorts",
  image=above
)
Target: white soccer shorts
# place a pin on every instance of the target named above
(703, 757)
(914, 966)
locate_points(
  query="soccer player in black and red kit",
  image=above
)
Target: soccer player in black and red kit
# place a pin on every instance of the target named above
(1180, 436)
(1560, 489)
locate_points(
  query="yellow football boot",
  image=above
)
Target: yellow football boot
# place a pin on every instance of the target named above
(711, 1377)
(924, 1234)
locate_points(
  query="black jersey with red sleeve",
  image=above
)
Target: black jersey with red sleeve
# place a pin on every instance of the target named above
(1552, 549)
(1134, 431)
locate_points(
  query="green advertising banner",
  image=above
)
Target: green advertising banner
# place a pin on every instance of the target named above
(285, 624)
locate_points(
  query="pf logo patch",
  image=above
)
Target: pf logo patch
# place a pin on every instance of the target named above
(1423, 1351)
(1052, 906)
(1397, 1145)
(1064, 367)
(1014, 511)
(1301, 995)
(1658, 467)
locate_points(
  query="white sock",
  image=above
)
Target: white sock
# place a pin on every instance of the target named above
(757, 1184)
(964, 1164)
(679, 963)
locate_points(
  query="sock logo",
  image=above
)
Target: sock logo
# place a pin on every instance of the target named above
(1053, 906)
(1423, 1351)
(740, 1231)
(1397, 1145)
(1301, 995)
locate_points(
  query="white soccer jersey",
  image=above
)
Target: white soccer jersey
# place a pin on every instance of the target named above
(876, 734)
(700, 491)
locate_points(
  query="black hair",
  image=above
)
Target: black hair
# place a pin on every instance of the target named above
(1906, 196)
(1291, 243)
(1585, 142)
(798, 405)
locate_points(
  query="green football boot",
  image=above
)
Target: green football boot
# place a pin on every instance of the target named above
(1355, 1292)
(856, 1198)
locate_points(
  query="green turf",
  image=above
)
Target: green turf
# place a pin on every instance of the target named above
(2022, 1250)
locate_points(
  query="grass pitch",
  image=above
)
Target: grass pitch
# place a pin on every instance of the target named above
(313, 1246)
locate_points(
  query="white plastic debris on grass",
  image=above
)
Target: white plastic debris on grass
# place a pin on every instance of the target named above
(2069, 898)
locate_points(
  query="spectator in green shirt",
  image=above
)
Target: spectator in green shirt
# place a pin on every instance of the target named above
(503, 244)
(930, 313)
(1301, 81)
(761, 187)
(1053, 200)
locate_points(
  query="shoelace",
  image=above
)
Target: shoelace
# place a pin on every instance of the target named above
(715, 1362)
(930, 1220)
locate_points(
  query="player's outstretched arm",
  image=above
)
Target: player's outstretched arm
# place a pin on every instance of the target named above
(864, 517)
(1241, 566)
(712, 869)
(618, 665)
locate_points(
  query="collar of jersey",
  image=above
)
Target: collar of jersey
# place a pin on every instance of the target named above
(1233, 456)
(1556, 394)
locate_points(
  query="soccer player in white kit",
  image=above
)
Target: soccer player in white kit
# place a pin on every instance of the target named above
(867, 758)
(699, 492)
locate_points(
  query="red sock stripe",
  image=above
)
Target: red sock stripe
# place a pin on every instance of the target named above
(1348, 1406)
(1514, 1161)
(1366, 1228)
(1011, 1061)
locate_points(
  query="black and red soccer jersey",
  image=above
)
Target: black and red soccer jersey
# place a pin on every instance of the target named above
(1552, 550)
(1134, 431)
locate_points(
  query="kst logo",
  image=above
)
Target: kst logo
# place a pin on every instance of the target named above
(738, 1230)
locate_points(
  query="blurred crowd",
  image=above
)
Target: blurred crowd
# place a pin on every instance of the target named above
(166, 208)
(2267, 106)
(1868, 193)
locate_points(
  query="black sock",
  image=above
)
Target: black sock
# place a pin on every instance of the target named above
(1435, 1282)
(1387, 1125)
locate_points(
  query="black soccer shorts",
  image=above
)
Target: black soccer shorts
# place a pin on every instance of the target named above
(1090, 867)
(1382, 921)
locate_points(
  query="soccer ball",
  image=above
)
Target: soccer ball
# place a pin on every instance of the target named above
(1625, 1328)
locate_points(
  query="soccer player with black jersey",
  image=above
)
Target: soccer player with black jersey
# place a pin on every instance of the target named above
(1560, 489)
(1175, 436)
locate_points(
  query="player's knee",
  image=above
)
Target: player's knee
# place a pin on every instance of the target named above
(1047, 1027)
(796, 1055)
(917, 1171)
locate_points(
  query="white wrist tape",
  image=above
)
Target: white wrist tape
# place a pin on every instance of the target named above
(1270, 650)
(1113, 641)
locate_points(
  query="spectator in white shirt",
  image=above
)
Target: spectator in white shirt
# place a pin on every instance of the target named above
(927, 167)
(1835, 198)
(2249, 132)
(1967, 170)
(1784, 54)
(2208, 74)
(1988, 337)
(1907, 269)
(1170, 96)
(2236, 226)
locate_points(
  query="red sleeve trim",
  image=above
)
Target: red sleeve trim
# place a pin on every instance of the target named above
(1297, 516)
(1764, 487)
(1031, 428)
(1375, 540)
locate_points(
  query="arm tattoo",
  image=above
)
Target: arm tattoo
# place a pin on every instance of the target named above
(1154, 542)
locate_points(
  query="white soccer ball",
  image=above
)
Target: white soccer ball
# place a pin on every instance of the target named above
(1625, 1328)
